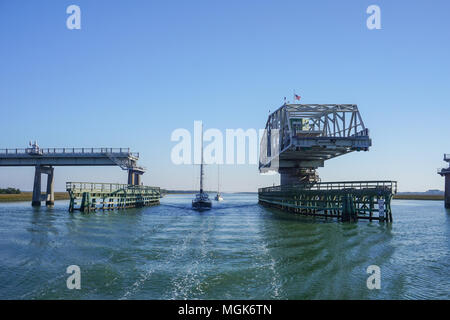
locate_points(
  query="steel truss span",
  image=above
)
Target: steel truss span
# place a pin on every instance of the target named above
(298, 138)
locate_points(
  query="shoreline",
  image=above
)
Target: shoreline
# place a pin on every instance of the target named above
(418, 197)
(27, 196)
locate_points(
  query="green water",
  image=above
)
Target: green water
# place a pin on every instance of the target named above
(238, 250)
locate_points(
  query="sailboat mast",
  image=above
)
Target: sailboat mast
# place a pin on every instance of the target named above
(201, 166)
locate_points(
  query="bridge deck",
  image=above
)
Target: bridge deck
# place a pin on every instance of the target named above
(50, 151)
(67, 157)
(45, 159)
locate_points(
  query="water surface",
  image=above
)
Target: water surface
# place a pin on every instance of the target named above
(238, 250)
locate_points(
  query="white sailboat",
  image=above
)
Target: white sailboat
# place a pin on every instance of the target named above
(201, 200)
(218, 196)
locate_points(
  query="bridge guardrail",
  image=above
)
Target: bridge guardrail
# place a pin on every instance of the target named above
(387, 185)
(51, 151)
(443, 170)
(104, 187)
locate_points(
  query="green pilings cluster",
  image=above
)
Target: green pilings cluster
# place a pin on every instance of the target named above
(346, 201)
(87, 196)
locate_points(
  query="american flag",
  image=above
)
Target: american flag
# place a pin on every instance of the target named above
(297, 97)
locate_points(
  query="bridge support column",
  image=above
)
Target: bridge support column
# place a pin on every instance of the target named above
(50, 194)
(447, 191)
(36, 201)
(134, 177)
(130, 177)
(138, 179)
(290, 176)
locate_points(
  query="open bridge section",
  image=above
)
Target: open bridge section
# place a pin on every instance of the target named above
(298, 138)
(45, 159)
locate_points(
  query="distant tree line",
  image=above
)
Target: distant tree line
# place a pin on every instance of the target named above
(165, 191)
(9, 191)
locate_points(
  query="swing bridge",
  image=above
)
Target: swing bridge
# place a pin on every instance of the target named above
(297, 140)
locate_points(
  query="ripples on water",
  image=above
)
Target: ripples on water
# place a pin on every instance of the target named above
(238, 250)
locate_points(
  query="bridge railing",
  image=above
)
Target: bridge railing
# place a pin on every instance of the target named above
(362, 133)
(51, 151)
(443, 170)
(385, 185)
(100, 187)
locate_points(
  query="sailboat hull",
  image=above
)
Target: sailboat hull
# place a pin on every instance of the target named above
(201, 205)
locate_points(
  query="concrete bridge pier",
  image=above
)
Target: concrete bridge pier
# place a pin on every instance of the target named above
(290, 176)
(36, 201)
(50, 195)
(134, 177)
(445, 172)
(49, 198)
(299, 171)
(447, 191)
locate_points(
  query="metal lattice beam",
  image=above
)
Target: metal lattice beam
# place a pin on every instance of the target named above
(311, 132)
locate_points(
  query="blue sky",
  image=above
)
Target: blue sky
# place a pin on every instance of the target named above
(137, 70)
